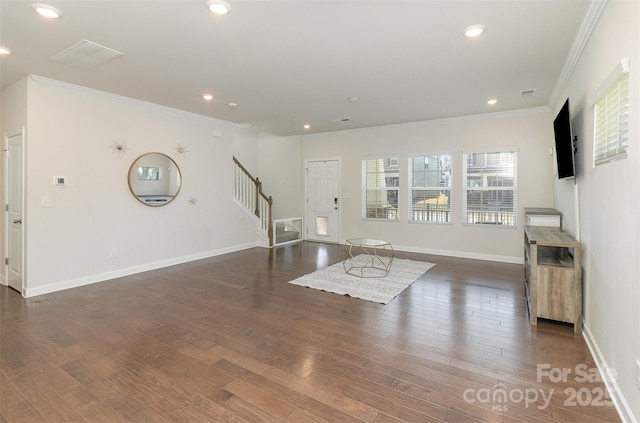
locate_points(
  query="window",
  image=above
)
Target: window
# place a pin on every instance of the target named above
(149, 173)
(430, 188)
(490, 187)
(380, 181)
(611, 116)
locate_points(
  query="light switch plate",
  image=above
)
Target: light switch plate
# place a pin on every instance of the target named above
(44, 202)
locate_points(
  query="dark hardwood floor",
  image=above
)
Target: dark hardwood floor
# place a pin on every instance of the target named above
(228, 339)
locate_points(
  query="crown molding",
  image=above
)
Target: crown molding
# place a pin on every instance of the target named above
(588, 24)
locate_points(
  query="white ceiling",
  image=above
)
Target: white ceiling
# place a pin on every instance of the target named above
(289, 63)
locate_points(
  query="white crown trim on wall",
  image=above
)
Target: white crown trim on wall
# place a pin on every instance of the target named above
(589, 21)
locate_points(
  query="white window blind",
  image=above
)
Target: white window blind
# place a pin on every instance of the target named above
(490, 188)
(380, 184)
(430, 188)
(611, 130)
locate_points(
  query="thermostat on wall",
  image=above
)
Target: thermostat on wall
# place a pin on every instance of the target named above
(59, 180)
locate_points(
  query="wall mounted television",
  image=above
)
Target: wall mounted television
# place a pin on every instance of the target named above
(565, 148)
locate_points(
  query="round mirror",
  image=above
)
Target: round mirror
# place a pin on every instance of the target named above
(154, 179)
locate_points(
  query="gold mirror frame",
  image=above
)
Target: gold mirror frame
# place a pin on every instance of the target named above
(154, 179)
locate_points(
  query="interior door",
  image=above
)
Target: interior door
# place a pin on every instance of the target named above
(323, 200)
(14, 222)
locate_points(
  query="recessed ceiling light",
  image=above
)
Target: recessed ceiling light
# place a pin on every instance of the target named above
(232, 105)
(474, 30)
(307, 126)
(492, 101)
(207, 97)
(46, 10)
(353, 99)
(218, 7)
(4, 51)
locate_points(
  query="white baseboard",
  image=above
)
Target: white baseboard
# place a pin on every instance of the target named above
(460, 254)
(101, 277)
(621, 404)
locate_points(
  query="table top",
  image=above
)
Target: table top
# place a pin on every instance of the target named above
(550, 236)
(369, 242)
(541, 211)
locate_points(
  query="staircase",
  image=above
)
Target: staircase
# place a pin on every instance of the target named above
(247, 192)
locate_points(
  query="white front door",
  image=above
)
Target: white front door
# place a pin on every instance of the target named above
(323, 200)
(14, 222)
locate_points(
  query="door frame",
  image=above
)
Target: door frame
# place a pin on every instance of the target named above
(306, 194)
(6, 136)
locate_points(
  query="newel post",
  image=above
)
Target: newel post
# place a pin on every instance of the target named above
(270, 224)
(258, 190)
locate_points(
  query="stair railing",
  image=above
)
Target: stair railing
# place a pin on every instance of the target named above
(248, 191)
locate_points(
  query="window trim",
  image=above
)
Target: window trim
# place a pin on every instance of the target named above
(621, 68)
(611, 147)
(465, 187)
(410, 188)
(365, 189)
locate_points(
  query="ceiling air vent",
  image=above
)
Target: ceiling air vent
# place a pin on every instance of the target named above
(528, 93)
(341, 120)
(86, 55)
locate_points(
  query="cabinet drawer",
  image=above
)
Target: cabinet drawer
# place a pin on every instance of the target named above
(544, 220)
(557, 294)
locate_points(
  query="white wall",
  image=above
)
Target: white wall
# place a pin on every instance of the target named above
(276, 161)
(608, 205)
(245, 148)
(528, 130)
(14, 107)
(70, 133)
(281, 174)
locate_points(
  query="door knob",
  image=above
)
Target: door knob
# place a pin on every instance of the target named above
(17, 221)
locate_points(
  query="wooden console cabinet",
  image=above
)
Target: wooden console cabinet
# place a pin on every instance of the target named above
(553, 275)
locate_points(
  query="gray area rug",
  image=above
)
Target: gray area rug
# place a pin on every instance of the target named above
(380, 290)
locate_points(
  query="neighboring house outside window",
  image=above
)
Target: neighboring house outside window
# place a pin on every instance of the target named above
(380, 184)
(430, 188)
(490, 187)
